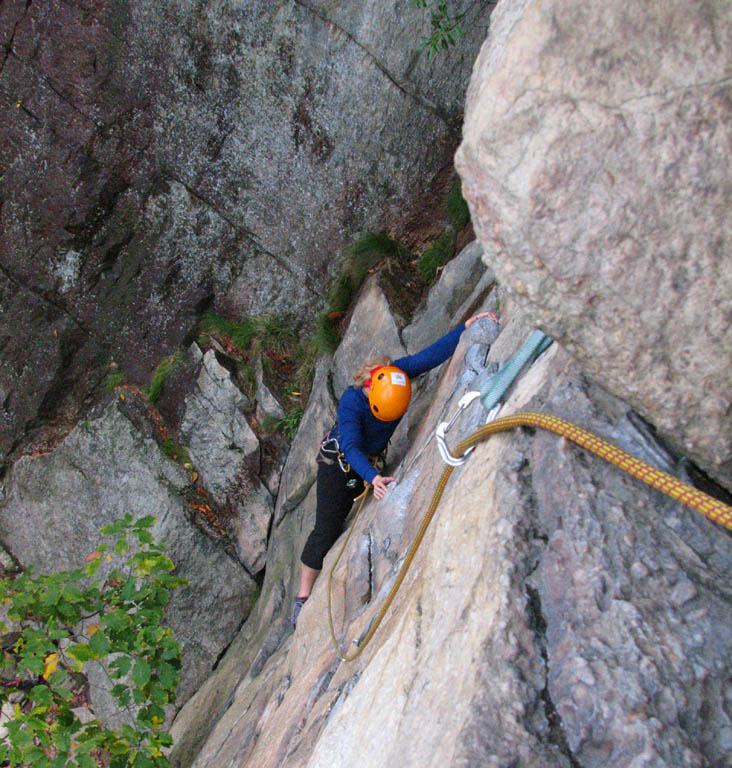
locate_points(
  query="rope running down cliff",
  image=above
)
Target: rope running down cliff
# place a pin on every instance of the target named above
(711, 508)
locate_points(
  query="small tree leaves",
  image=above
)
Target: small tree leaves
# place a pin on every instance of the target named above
(99, 645)
(50, 665)
(141, 673)
(446, 29)
(126, 635)
(123, 664)
(41, 695)
(81, 652)
(121, 546)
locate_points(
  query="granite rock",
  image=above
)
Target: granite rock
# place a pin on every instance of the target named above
(142, 166)
(226, 451)
(595, 160)
(54, 505)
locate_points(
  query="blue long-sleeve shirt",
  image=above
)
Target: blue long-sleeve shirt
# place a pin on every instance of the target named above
(358, 431)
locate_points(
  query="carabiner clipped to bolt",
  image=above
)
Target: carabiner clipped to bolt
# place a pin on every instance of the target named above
(446, 426)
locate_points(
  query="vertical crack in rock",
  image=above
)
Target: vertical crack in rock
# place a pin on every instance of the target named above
(418, 628)
(330, 383)
(9, 45)
(420, 100)
(556, 735)
(369, 555)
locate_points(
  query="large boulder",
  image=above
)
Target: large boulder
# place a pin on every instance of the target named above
(596, 161)
(226, 452)
(158, 156)
(53, 506)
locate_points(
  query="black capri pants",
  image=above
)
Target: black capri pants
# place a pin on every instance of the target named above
(334, 502)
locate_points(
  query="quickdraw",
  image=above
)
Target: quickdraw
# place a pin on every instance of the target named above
(446, 426)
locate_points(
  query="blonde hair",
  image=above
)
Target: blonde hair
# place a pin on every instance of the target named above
(363, 373)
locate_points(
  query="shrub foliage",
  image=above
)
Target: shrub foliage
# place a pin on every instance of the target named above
(66, 619)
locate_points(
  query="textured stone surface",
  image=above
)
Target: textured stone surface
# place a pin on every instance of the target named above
(595, 159)
(155, 157)
(300, 469)
(267, 404)
(558, 613)
(53, 506)
(238, 690)
(463, 283)
(371, 333)
(226, 451)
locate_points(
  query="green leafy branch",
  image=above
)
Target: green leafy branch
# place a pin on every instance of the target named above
(66, 619)
(446, 30)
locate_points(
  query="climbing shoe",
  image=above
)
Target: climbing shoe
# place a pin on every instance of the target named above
(296, 608)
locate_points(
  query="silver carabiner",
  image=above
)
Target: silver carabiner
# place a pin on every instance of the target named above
(445, 426)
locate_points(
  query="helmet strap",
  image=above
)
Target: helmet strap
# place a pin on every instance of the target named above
(372, 372)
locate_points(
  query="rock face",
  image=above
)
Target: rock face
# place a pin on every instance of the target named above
(299, 471)
(558, 613)
(53, 506)
(158, 157)
(462, 286)
(595, 159)
(226, 451)
(371, 333)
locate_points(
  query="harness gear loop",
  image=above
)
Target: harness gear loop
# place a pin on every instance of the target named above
(330, 451)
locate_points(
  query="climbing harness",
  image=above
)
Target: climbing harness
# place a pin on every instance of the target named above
(330, 452)
(491, 394)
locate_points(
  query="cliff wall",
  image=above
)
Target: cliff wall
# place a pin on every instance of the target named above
(160, 158)
(558, 613)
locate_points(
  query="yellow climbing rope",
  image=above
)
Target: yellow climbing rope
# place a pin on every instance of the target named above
(711, 508)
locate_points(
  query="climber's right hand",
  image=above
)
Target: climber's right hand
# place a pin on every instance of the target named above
(380, 484)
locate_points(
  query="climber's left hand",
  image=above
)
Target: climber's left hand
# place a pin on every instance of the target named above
(492, 315)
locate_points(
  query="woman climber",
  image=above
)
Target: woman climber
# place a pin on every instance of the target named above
(354, 451)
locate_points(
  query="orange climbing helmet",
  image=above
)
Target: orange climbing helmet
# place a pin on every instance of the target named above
(390, 392)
